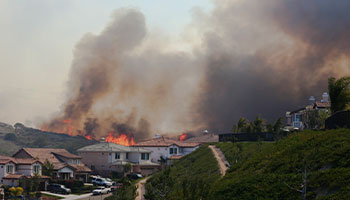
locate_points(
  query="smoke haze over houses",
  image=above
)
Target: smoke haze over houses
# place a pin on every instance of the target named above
(241, 59)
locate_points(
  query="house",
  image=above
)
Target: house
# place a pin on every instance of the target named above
(164, 148)
(297, 119)
(12, 170)
(105, 158)
(203, 138)
(66, 165)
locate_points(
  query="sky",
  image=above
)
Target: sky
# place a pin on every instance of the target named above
(37, 39)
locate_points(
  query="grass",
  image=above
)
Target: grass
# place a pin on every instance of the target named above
(189, 178)
(275, 170)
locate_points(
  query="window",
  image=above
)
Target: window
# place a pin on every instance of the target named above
(172, 151)
(127, 155)
(181, 150)
(77, 162)
(117, 155)
(144, 156)
(36, 169)
(9, 169)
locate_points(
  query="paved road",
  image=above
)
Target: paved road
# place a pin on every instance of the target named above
(80, 197)
(220, 158)
(141, 189)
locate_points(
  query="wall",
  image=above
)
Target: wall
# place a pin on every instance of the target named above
(99, 160)
(157, 152)
(134, 157)
(2, 172)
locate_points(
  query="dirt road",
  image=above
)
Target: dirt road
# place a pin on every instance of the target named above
(220, 158)
(141, 189)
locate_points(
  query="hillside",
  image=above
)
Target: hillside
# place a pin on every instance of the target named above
(318, 159)
(276, 171)
(12, 138)
(189, 178)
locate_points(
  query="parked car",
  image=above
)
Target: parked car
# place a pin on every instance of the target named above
(134, 176)
(102, 182)
(110, 180)
(57, 188)
(101, 190)
(116, 186)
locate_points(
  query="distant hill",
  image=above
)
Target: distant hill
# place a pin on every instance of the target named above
(12, 138)
(265, 170)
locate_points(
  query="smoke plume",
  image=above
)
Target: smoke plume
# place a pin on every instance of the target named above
(246, 57)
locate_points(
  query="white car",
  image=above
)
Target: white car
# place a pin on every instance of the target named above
(102, 182)
(101, 190)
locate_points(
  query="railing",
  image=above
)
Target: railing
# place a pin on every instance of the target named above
(338, 120)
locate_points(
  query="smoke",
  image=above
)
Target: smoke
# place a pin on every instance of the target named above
(245, 58)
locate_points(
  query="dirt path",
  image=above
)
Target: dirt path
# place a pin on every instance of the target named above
(141, 189)
(220, 158)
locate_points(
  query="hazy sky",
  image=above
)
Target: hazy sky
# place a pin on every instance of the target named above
(37, 38)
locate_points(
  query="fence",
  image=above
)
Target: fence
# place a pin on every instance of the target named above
(338, 120)
(245, 137)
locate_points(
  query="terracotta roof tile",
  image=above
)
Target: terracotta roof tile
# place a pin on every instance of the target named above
(23, 161)
(165, 142)
(14, 176)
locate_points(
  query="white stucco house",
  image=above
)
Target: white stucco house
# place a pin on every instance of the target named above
(105, 158)
(12, 170)
(167, 148)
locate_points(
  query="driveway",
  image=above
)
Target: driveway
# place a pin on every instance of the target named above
(80, 197)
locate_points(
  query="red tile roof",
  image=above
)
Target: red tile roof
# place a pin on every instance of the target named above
(323, 104)
(165, 142)
(45, 153)
(14, 176)
(23, 161)
(207, 138)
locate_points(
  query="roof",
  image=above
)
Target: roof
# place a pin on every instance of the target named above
(23, 161)
(319, 104)
(66, 154)
(14, 176)
(165, 142)
(206, 138)
(175, 157)
(45, 153)
(111, 147)
(80, 168)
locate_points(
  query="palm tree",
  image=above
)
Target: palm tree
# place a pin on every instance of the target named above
(258, 124)
(339, 93)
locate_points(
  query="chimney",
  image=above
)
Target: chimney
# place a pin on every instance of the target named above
(312, 100)
(325, 97)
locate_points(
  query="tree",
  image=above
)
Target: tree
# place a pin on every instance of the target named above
(258, 124)
(48, 168)
(241, 125)
(339, 93)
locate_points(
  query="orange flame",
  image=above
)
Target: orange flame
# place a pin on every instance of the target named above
(122, 139)
(88, 137)
(70, 127)
(183, 137)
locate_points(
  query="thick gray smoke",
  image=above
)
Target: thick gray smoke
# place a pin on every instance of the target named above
(246, 57)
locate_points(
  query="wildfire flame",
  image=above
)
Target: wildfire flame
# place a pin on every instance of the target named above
(122, 139)
(183, 137)
(69, 126)
(88, 137)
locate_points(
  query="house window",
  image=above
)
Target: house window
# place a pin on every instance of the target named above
(77, 162)
(117, 156)
(173, 151)
(127, 156)
(144, 156)
(9, 169)
(36, 169)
